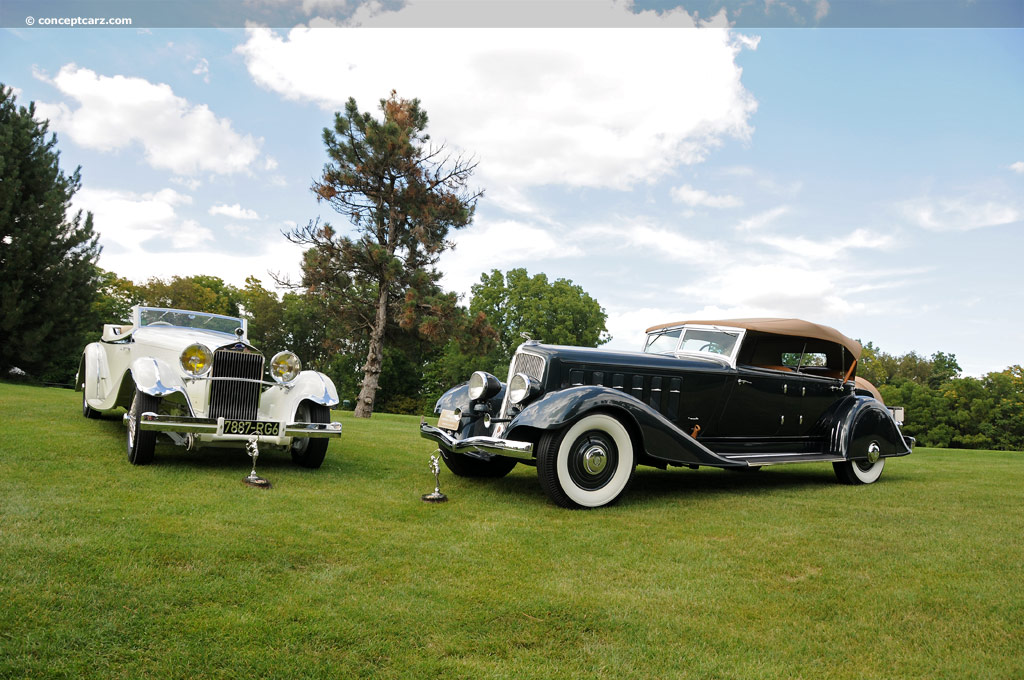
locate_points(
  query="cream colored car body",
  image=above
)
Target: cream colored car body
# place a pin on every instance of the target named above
(146, 357)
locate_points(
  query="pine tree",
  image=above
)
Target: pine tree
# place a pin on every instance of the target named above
(402, 195)
(48, 272)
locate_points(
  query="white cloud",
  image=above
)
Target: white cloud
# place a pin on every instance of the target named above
(190, 183)
(235, 211)
(650, 241)
(831, 249)
(202, 68)
(129, 224)
(960, 213)
(503, 245)
(698, 197)
(115, 112)
(578, 107)
(762, 219)
(775, 289)
(1018, 167)
(190, 234)
(125, 220)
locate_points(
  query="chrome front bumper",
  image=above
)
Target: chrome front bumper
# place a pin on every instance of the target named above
(492, 446)
(215, 426)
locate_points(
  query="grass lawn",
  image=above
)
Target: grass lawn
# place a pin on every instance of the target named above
(178, 570)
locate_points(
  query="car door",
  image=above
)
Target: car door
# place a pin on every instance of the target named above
(811, 396)
(758, 404)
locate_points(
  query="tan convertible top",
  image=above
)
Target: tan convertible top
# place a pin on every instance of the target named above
(795, 327)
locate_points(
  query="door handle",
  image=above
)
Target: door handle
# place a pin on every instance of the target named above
(741, 381)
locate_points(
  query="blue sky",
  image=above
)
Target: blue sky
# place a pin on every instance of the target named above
(869, 179)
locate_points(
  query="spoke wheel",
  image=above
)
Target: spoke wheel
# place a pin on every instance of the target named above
(587, 464)
(309, 452)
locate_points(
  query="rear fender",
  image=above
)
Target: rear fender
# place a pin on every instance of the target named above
(860, 420)
(660, 439)
(103, 388)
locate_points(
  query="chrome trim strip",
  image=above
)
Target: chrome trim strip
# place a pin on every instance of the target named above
(491, 445)
(193, 378)
(747, 456)
(159, 423)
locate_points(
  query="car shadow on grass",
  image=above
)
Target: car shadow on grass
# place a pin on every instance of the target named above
(650, 485)
(211, 457)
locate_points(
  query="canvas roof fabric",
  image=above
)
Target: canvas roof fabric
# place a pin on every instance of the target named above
(791, 327)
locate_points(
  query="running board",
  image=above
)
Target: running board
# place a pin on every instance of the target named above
(779, 458)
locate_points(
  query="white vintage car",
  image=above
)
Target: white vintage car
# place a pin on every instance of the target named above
(194, 377)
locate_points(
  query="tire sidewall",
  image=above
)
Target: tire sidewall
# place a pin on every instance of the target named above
(869, 476)
(626, 461)
(141, 443)
(310, 452)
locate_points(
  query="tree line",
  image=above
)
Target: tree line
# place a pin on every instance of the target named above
(368, 309)
(946, 409)
(416, 367)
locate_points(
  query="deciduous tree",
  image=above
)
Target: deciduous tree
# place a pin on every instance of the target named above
(518, 305)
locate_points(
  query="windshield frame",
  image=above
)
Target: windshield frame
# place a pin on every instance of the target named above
(175, 315)
(677, 351)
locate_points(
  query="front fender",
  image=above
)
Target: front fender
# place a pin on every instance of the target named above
(156, 377)
(661, 439)
(315, 387)
(308, 386)
(860, 420)
(471, 423)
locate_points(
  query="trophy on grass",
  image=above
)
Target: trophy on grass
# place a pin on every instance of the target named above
(253, 479)
(436, 496)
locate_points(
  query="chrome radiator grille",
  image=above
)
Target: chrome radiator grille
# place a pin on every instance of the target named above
(238, 399)
(530, 364)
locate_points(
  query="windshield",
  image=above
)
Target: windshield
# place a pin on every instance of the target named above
(693, 341)
(661, 343)
(152, 316)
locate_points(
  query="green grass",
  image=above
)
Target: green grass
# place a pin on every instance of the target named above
(178, 570)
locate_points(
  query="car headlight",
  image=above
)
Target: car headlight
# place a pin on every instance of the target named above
(521, 387)
(196, 359)
(483, 385)
(285, 367)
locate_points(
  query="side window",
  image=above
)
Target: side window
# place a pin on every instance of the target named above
(795, 359)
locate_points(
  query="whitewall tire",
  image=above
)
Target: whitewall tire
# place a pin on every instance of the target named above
(588, 464)
(859, 471)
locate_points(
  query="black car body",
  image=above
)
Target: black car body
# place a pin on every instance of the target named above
(738, 393)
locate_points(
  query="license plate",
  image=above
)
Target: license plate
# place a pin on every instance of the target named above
(448, 420)
(252, 427)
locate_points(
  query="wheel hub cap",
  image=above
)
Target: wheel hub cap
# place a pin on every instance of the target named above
(873, 451)
(594, 460)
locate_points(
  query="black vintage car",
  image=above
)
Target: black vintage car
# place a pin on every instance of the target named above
(737, 393)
